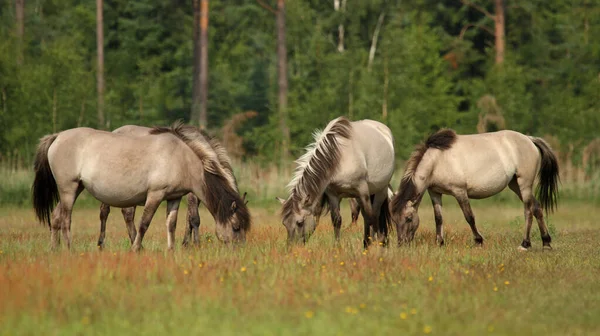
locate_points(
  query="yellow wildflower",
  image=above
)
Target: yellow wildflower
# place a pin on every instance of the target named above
(243, 269)
(403, 316)
(309, 314)
(427, 329)
(430, 279)
(507, 282)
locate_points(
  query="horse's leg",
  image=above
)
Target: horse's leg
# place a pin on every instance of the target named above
(377, 207)
(354, 210)
(526, 197)
(104, 211)
(539, 216)
(436, 200)
(152, 202)
(465, 206)
(193, 221)
(368, 218)
(55, 227)
(129, 217)
(172, 209)
(67, 199)
(336, 217)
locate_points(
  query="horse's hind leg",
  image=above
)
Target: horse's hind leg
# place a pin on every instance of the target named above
(523, 191)
(152, 202)
(104, 211)
(172, 209)
(436, 200)
(368, 218)
(336, 217)
(354, 210)
(465, 206)
(55, 227)
(129, 217)
(378, 209)
(67, 199)
(193, 221)
(539, 216)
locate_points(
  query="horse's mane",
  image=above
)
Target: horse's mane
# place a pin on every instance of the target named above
(442, 140)
(222, 156)
(221, 188)
(316, 167)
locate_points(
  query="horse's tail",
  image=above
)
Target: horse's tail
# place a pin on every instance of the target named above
(547, 190)
(385, 216)
(44, 189)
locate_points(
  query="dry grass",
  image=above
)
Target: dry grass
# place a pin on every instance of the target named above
(265, 288)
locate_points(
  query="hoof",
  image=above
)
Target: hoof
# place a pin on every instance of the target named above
(100, 247)
(440, 242)
(479, 241)
(522, 249)
(526, 244)
(546, 247)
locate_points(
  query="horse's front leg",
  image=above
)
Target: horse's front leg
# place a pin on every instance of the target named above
(104, 211)
(465, 206)
(436, 200)
(172, 209)
(152, 202)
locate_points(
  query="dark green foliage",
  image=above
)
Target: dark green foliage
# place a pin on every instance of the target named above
(548, 84)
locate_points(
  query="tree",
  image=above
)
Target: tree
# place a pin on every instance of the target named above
(498, 18)
(195, 112)
(20, 16)
(100, 57)
(282, 80)
(203, 62)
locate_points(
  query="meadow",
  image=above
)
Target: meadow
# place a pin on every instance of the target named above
(267, 288)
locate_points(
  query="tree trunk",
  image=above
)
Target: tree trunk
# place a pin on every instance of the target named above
(499, 31)
(374, 40)
(100, 70)
(386, 83)
(20, 16)
(195, 113)
(54, 111)
(282, 81)
(203, 62)
(340, 6)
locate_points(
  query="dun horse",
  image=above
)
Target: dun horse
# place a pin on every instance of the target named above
(126, 171)
(193, 217)
(347, 159)
(477, 166)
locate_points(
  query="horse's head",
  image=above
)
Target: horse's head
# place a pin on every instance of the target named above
(298, 218)
(407, 222)
(235, 228)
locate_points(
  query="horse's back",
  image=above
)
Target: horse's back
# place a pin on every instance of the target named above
(368, 155)
(484, 163)
(133, 130)
(118, 169)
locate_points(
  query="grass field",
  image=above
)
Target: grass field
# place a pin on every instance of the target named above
(265, 288)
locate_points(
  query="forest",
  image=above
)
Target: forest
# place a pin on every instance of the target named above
(263, 74)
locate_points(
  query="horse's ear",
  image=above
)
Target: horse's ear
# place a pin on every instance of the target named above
(244, 198)
(281, 200)
(233, 206)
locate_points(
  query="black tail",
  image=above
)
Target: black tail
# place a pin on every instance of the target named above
(547, 189)
(44, 190)
(385, 217)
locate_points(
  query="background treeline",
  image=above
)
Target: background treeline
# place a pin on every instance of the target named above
(531, 66)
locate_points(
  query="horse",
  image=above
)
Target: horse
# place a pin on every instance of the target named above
(355, 207)
(193, 217)
(347, 159)
(124, 171)
(477, 166)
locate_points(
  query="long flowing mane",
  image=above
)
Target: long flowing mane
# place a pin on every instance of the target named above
(442, 140)
(219, 183)
(316, 167)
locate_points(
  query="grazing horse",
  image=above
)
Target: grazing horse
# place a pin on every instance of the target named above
(476, 166)
(347, 159)
(125, 171)
(355, 207)
(193, 217)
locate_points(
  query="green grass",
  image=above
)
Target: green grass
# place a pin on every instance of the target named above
(265, 288)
